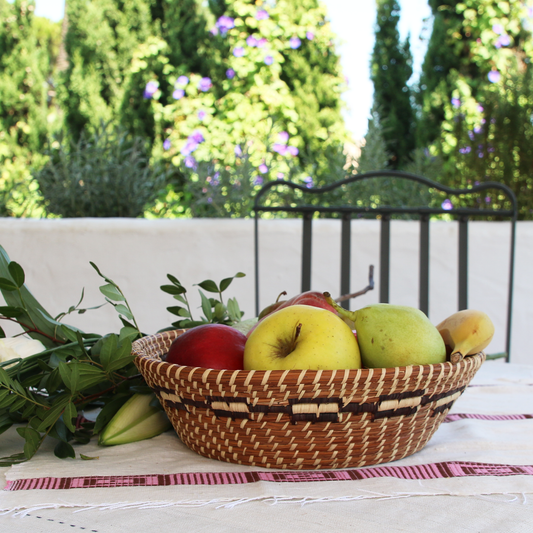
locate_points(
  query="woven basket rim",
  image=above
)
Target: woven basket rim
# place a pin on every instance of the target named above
(140, 346)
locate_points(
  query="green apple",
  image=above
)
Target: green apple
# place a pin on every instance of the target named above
(301, 337)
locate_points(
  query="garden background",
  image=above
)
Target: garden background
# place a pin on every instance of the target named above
(181, 110)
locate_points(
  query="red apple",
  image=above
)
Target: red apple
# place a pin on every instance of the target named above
(312, 298)
(209, 346)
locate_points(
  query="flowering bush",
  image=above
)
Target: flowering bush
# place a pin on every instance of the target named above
(261, 102)
(487, 100)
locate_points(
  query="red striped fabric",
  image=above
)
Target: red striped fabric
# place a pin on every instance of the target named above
(452, 469)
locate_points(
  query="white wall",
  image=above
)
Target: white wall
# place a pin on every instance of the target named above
(137, 254)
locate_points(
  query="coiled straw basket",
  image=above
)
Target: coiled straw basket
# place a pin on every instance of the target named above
(310, 419)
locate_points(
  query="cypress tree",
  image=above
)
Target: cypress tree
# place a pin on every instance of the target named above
(391, 69)
(101, 38)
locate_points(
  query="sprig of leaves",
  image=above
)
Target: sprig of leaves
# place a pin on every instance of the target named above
(47, 394)
(215, 311)
(49, 391)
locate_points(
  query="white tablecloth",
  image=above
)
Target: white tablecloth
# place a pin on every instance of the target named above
(475, 474)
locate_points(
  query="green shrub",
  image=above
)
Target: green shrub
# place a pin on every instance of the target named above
(105, 174)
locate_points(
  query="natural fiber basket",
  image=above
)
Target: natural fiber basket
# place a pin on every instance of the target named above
(309, 419)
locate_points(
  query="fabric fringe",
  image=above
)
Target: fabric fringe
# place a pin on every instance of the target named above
(226, 503)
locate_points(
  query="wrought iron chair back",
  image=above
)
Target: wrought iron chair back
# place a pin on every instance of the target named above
(289, 198)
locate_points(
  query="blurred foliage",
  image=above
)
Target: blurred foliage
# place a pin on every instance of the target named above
(106, 174)
(476, 96)
(27, 48)
(391, 68)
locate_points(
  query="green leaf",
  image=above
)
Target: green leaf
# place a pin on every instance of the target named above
(17, 273)
(127, 332)
(88, 458)
(120, 362)
(90, 376)
(109, 346)
(112, 292)
(54, 413)
(69, 414)
(209, 286)
(11, 312)
(63, 450)
(7, 285)
(220, 310)
(73, 369)
(172, 289)
(225, 283)
(178, 311)
(174, 280)
(234, 311)
(32, 438)
(123, 310)
(206, 306)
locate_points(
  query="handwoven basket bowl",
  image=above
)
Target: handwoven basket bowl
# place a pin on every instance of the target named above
(303, 419)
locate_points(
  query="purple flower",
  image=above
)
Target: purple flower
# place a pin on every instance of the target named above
(263, 168)
(310, 35)
(283, 137)
(456, 102)
(497, 28)
(280, 175)
(189, 147)
(230, 73)
(447, 204)
(205, 84)
(150, 89)
(294, 42)
(225, 23)
(190, 162)
(201, 114)
(262, 42)
(478, 129)
(281, 149)
(503, 40)
(494, 76)
(258, 180)
(471, 135)
(487, 199)
(480, 108)
(182, 80)
(251, 41)
(261, 14)
(197, 137)
(308, 182)
(465, 150)
(293, 150)
(178, 94)
(238, 151)
(166, 144)
(269, 60)
(238, 51)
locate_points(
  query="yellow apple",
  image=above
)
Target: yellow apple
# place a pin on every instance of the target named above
(302, 337)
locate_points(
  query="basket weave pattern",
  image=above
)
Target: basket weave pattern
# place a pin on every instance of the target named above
(303, 419)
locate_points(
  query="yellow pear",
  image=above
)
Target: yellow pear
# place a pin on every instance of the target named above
(395, 335)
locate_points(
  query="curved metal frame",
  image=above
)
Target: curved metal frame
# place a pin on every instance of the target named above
(347, 211)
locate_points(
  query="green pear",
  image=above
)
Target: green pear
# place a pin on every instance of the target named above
(395, 335)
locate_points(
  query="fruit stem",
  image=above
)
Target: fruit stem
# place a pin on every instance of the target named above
(284, 293)
(456, 357)
(345, 313)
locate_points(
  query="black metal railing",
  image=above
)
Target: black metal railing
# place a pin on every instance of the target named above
(506, 209)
